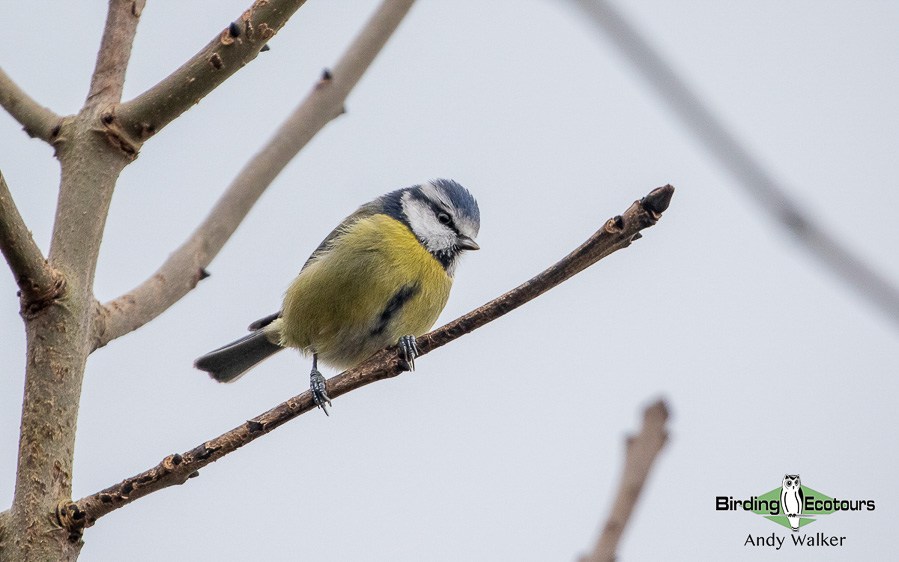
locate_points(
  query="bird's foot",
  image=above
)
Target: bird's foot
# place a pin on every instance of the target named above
(409, 349)
(319, 390)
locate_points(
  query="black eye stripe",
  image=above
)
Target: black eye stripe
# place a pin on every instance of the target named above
(440, 210)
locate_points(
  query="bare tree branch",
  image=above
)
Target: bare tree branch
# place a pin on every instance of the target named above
(642, 450)
(38, 282)
(59, 338)
(38, 121)
(115, 51)
(616, 234)
(743, 166)
(186, 266)
(234, 47)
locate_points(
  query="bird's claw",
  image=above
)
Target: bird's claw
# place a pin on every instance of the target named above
(410, 351)
(319, 390)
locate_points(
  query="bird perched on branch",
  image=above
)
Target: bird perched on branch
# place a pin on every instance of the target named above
(380, 278)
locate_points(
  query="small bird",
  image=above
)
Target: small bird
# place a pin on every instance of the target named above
(380, 278)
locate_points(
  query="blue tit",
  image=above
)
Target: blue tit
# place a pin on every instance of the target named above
(380, 278)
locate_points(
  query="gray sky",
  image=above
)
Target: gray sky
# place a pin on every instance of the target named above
(507, 444)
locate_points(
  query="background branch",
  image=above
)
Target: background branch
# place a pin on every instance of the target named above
(642, 450)
(38, 282)
(147, 114)
(740, 162)
(616, 234)
(37, 120)
(186, 266)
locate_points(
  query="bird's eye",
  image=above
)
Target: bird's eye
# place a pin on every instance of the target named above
(444, 218)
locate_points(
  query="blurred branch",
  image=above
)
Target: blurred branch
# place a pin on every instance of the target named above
(642, 450)
(616, 234)
(740, 162)
(37, 120)
(38, 282)
(186, 266)
(236, 45)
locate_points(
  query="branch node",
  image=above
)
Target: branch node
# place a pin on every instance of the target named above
(170, 462)
(70, 517)
(202, 274)
(324, 81)
(216, 61)
(204, 451)
(35, 300)
(234, 30)
(615, 224)
(117, 136)
(265, 31)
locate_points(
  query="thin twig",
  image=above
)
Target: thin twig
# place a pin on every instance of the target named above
(187, 265)
(616, 234)
(743, 166)
(37, 120)
(642, 450)
(38, 282)
(236, 45)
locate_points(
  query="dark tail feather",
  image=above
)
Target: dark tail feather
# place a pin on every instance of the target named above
(228, 363)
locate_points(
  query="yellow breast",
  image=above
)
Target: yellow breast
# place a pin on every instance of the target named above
(376, 284)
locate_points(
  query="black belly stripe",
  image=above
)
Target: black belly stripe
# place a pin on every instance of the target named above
(394, 305)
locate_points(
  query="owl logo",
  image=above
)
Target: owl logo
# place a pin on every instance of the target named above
(791, 499)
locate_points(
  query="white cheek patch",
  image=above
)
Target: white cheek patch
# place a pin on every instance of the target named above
(427, 228)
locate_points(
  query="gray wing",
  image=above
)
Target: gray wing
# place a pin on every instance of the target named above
(365, 211)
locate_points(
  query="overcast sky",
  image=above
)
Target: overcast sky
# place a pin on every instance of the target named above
(507, 444)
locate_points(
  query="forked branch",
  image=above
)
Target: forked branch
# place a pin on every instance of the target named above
(187, 265)
(228, 52)
(616, 234)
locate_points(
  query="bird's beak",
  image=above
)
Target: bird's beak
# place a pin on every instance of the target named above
(466, 243)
